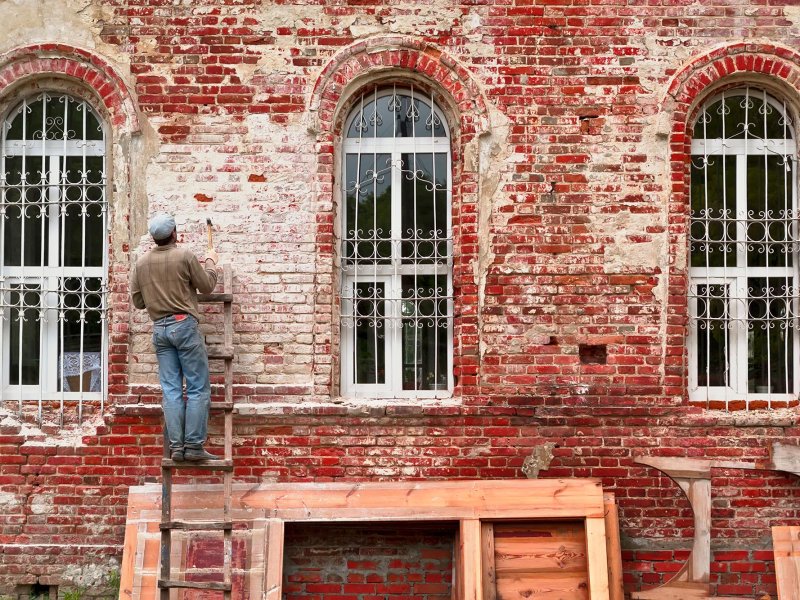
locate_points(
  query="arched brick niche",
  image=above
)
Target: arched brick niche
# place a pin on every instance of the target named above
(27, 70)
(383, 61)
(22, 65)
(773, 68)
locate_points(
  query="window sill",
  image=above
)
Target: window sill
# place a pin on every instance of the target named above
(777, 417)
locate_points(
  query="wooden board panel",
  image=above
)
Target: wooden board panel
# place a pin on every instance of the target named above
(488, 554)
(273, 573)
(469, 569)
(613, 549)
(598, 563)
(786, 547)
(454, 500)
(545, 560)
(784, 457)
(472, 503)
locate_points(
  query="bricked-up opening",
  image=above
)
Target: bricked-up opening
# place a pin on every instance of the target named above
(364, 561)
(592, 354)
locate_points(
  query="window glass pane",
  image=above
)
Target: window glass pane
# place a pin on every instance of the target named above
(713, 335)
(368, 216)
(424, 208)
(425, 332)
(369, 353)
(81, 335)
(26, 218)
(713, 229)
(395, 115)
(769, 203)
(82, 197)
(82, 122)
(770, 335)
(24, 331)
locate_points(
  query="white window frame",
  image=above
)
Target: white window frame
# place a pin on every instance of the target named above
(54, 151)
(391, 275)
(736, 277)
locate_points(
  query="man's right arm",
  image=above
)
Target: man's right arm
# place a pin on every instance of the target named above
(203, 277)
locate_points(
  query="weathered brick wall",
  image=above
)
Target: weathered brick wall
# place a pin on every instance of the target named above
(570, 223)
(360, 562)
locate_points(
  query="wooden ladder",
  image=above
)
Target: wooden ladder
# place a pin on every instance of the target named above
(168, 524)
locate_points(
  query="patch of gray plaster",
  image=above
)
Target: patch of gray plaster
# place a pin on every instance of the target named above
(792, 14)
(9, 503)
(623, 254)
(79, 23)
(539, 460)
(41, 504)
(91, 576)
(490, 155)
(69, 436)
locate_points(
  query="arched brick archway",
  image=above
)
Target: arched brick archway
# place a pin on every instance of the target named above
(371, 62)
(22, 64)
(776, 69)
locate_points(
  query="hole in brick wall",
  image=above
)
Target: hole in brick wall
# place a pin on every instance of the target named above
(397, 560)
(592, 354)
(37, 591)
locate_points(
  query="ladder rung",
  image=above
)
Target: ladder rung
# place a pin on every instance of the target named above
(195, 585)
(198, 525)
(220, 352)
(212, 297)
(213, 465)
(222, 406)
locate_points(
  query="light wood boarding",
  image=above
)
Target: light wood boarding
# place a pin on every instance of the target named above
(786, 546)
(693, 476)
(475, 505)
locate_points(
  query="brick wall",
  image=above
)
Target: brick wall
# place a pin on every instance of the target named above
(389, 561)
(570, 229)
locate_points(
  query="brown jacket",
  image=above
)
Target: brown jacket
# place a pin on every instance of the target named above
(166, 280)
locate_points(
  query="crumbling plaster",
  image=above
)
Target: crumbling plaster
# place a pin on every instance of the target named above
(74, 22)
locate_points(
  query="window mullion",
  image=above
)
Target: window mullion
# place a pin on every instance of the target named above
(50, 347)
(740, 299)
(394, 357)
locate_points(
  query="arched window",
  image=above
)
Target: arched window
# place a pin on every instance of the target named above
(743, 302)
(53, 250)
(396, 254)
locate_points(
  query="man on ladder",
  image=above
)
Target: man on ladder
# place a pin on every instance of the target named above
(165, 281)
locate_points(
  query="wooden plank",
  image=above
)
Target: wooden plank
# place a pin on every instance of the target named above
(786, 548)
(128, 558)
(598, 563)
(198, 525)
(699, 494)
(550, 586)
(273, 570)
(448, 500)
(456, 588)
(470, 570)
(691, 468)
(192, 585)
(540, 548)
(784, 457)
(675, 590)
(613, 548)
(214, 297)
(536, 559)
(488, 561)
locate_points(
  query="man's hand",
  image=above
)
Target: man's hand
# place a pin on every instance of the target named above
(211, 255)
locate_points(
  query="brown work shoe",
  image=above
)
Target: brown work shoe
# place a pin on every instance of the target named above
(198, 454)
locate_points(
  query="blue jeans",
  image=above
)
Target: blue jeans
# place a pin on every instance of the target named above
(181, 354)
